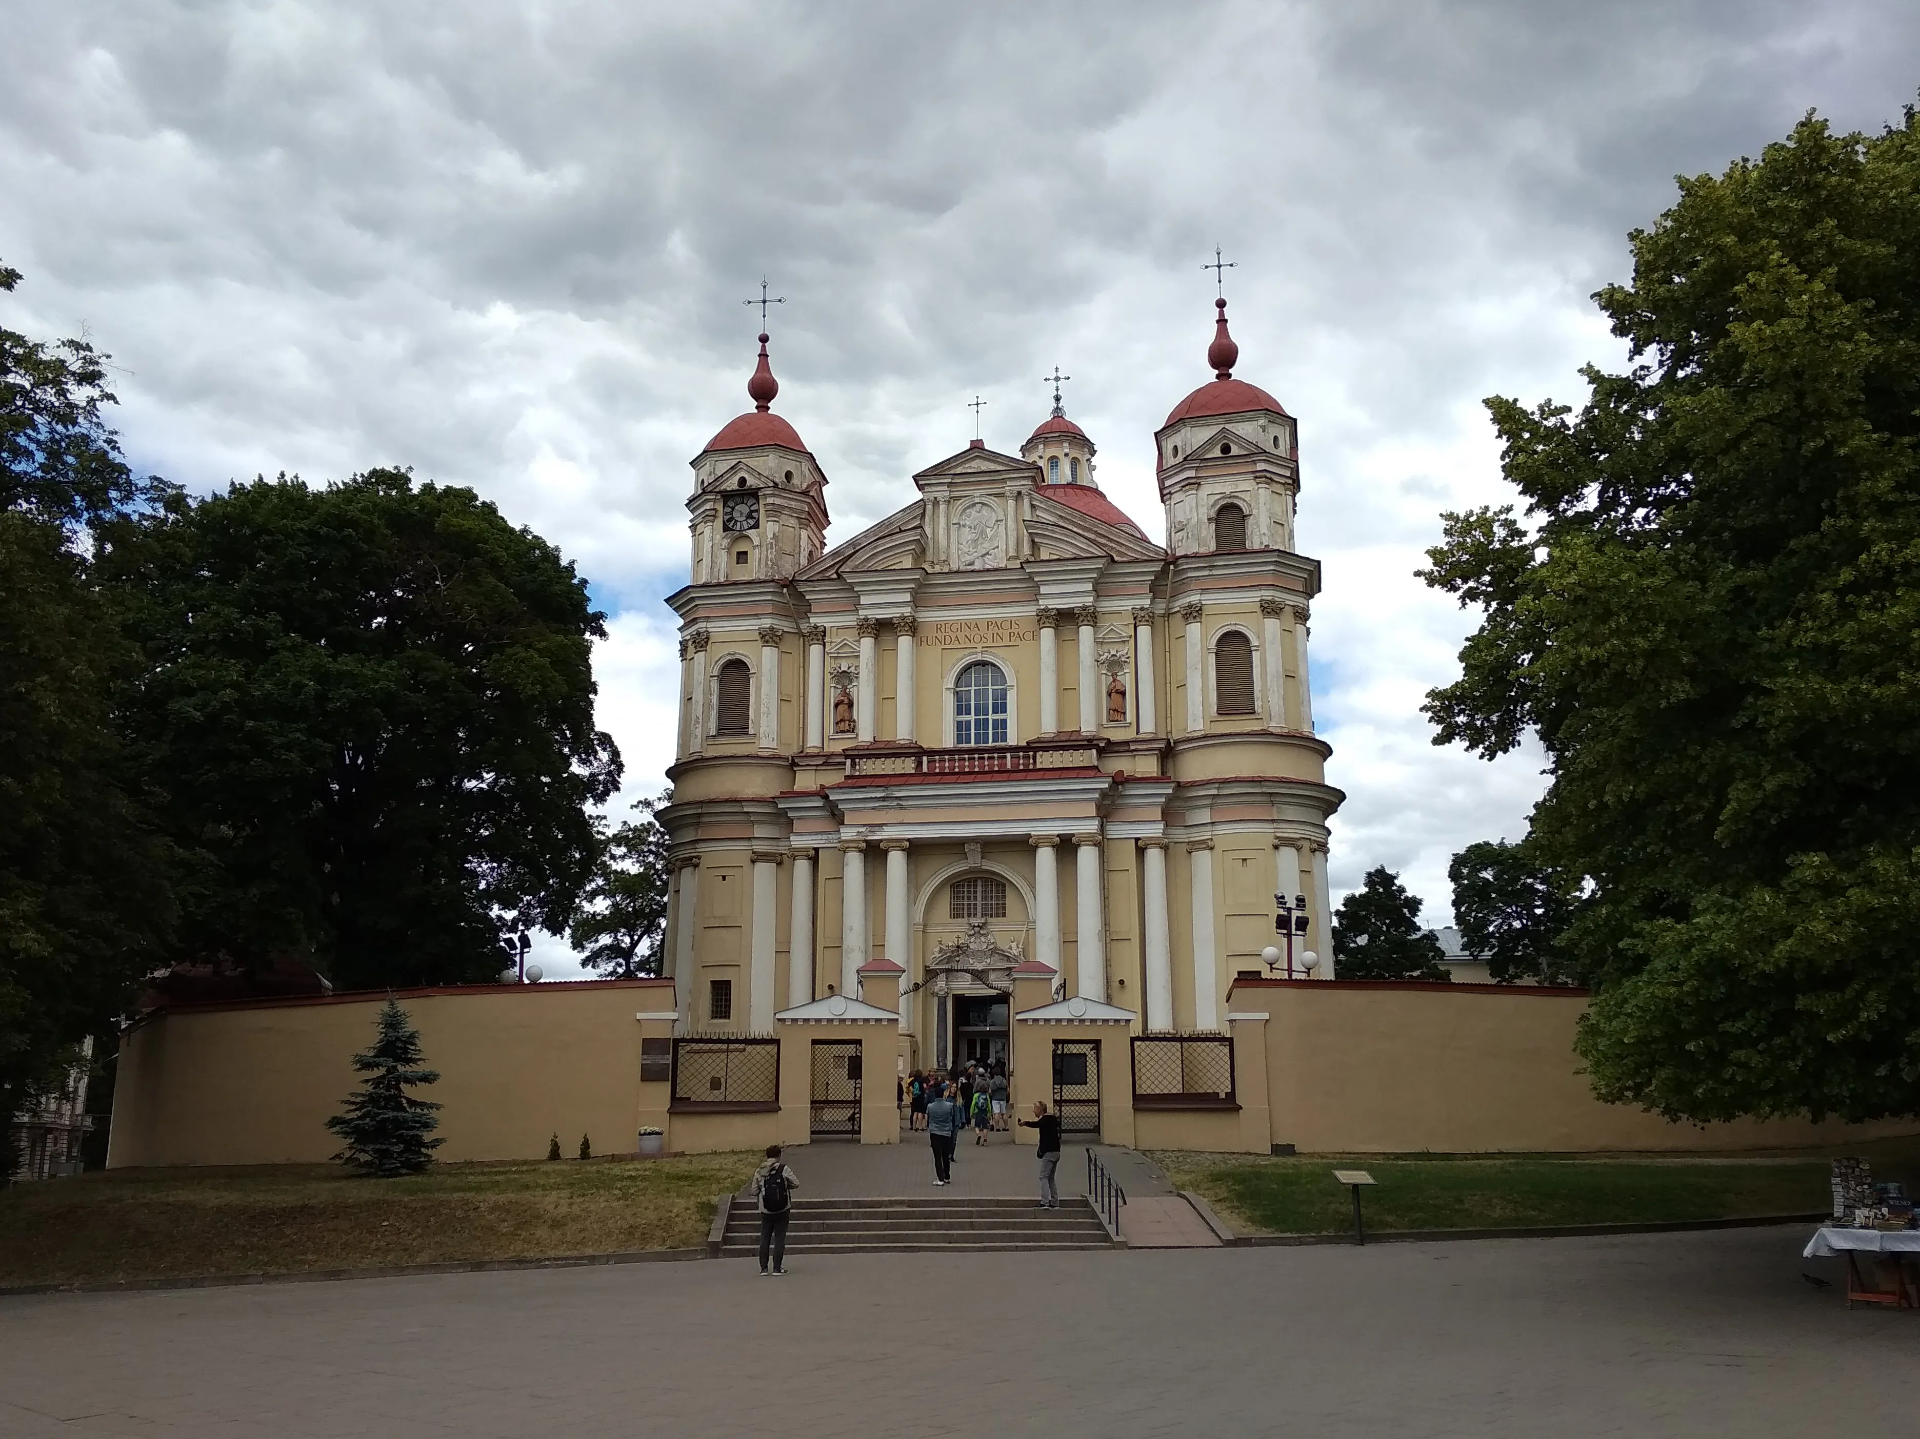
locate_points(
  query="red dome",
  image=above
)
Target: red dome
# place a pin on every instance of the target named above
(754, 429)
(1089, 501)
(1223, 397)
(1058, 425)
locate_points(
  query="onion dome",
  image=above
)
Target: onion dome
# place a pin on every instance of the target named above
(760, 426)
(1224, 395)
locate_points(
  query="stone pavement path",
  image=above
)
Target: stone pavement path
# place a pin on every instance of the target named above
(1645, 1336)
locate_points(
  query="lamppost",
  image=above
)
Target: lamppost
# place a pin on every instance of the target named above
(1291, 920)
(516, 946)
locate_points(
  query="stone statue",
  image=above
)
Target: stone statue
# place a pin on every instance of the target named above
(977, 543)
(1116, 699)
(843, 710)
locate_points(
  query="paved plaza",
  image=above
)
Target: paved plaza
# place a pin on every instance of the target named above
(1676, 1334)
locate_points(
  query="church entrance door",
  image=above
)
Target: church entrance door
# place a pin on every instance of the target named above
(980, 1029)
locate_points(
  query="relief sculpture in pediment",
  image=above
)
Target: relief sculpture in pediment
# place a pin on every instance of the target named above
(979, 537)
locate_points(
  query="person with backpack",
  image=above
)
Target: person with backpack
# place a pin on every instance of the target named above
(944, 1121)
(773, 1186)
(917, 1117)
(982, 1112)
(1048, 1151)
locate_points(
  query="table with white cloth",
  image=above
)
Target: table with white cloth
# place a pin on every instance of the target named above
(1898, 1251)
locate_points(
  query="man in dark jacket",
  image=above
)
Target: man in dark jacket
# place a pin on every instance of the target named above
(1048, 1151)
(943, 1126)
(773, 1186)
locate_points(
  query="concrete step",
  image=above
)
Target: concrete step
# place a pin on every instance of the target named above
(1044, 1222)
(746, 1251)
(935, 1223)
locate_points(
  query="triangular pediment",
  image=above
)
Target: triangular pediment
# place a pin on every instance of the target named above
(1060, 532)
(837, 1009)
(1077, 1011)
(896, 543)
(970, 462)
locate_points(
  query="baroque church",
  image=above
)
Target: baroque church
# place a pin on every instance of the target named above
(1005, 733)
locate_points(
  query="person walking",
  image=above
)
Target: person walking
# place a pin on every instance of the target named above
(944, 1121)
(773, 1186)
(982, 1114)
(997, 1088)
(917, 1115)
(1048, 1152)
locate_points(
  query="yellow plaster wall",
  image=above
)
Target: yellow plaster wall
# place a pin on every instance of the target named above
(256, 1084)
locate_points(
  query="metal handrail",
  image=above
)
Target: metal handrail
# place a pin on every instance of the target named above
(1104, 1192)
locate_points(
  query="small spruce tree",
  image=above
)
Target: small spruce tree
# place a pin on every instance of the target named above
(586, 1149)
(553, 1146)
(385, 1128)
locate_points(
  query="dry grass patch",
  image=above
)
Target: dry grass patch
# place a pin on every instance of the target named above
(151, 1224)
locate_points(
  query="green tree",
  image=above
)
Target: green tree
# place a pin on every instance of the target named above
(84, 893)
(384, 1128)
(1377, 933)
(369, 711)
(621, 924)
(1512, 909)
(1711, 619)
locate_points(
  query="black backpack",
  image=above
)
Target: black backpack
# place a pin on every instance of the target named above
(773, 1190)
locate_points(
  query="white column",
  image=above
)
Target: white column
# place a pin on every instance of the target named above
(1049, 672)
(1206, 964)
(1262, 519)
(867, 701)
(1273, 658)
(904, 629)
(1305, 682)
(1196, 680)
(816, 686)
(1158, 951)
(683, 966)
(1090, 973)
(697, 741)
(769, 687)
(1322, 900)
(760, 997)
(800, 942)
(899, 942)
(1046, 900)
(686, 699)
(1090, 697)
(853, 914)
(1146, 703)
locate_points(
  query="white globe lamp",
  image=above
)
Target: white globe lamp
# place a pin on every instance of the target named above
(533, 974)
(1309, 961)
(1271, 957)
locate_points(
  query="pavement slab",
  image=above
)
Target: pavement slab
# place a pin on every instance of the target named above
(1700, 1334)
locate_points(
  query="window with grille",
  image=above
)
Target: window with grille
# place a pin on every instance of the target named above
(719, 999)
(979, 897)
(1053, 469)
(1230, 528)
(1233, 673)
(734, 703)
(980, 705)
(1073, 471)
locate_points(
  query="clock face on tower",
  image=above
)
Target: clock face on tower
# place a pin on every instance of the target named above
(741, 513)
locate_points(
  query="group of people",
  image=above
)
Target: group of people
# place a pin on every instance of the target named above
(980, 1093)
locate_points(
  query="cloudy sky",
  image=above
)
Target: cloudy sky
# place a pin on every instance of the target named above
(507, 244)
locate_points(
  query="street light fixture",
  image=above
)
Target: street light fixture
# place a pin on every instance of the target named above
(1291, 920)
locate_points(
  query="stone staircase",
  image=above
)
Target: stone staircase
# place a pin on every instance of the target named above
(856, 1226)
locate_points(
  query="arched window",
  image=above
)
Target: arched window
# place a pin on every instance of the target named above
(1073, 471)
(977, 897)
(1233, 673)
(1053, 469)
(980, 705)
(733, 705)
(1230, 528)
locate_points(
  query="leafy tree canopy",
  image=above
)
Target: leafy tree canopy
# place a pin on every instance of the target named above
(1711, 618)
(620, 927)
(1511, 910)
(1377, 933)
(83, 884)
(369, 711)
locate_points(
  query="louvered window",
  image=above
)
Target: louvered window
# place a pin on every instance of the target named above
(734, 701)
(977, 898)
(1230, 528)
(1233, 673)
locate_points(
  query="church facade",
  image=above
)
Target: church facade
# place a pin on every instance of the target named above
(1004, 757)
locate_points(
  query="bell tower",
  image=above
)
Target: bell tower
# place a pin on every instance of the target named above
(759, 507)
(1229, 462)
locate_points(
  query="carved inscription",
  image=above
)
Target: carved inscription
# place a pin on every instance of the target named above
(972, 634)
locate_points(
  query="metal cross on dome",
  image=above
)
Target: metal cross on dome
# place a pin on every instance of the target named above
(763, 301)
(1220, 268)
(1056, 379)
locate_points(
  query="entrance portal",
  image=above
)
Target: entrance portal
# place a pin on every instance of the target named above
(834, 1103)
(980, 1030)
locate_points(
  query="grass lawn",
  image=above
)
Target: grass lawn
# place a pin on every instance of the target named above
(145, 1224)
(1300, 1196)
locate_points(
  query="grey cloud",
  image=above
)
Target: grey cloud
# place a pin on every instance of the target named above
(508, 244)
